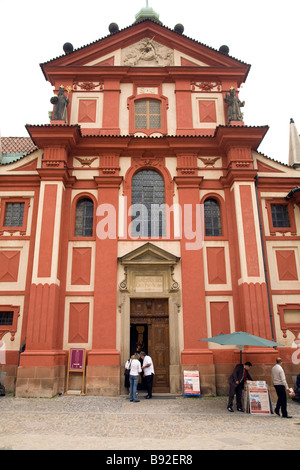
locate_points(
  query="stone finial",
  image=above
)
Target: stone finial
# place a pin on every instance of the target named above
(294, 145)
(68, 48)
(113, 28)
(179, 28)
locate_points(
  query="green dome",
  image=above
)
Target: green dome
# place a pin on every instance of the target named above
(147, 13)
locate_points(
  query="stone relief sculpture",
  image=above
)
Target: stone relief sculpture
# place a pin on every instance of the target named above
(234, 108)
(147, 52)
(60, 102)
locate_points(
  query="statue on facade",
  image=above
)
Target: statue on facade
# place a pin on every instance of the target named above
(234, 108)
(60, 102)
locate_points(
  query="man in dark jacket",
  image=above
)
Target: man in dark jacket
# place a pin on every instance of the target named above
(298, 384)
(236, 382)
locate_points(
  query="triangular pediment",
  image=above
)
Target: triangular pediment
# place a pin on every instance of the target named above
(147, 52)
(145, 44)
(149, 254)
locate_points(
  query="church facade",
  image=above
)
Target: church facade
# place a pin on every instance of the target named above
(144, 217)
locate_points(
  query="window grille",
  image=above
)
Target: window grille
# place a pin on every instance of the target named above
(14, 213)
(148, 199)
(280, 215)
(212, 218)
(6, 318)
(147, 114)
(84, 219)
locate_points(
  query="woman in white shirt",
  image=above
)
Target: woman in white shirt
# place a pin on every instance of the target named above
(135, 369)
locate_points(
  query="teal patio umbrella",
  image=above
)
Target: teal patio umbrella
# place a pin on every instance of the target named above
(241, 338)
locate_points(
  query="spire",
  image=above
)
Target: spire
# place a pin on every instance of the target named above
(147, 13)
(294, 150)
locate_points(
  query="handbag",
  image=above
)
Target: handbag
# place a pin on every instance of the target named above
(127, 371)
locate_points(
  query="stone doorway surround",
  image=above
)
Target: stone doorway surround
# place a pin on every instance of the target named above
(148, 272)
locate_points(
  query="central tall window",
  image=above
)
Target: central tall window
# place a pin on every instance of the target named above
(148, 204)
(147, 114)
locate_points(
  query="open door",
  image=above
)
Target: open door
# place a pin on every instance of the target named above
(149, 331)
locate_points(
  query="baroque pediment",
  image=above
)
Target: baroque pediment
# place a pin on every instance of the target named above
(149, 254)
(147, 52)
(140, 45)
(149, 269)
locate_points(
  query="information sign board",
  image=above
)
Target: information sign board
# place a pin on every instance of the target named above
(259, 399)
(191, 383)
(76, 363)
(76, 359)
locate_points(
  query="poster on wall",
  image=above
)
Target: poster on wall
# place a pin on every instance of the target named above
(259, 399)
(191, 383)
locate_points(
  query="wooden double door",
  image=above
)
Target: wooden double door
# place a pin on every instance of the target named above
(149, 332)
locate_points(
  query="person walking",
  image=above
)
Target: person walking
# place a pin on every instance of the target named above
(135, 369)
(280, 384)
(148, 370)
(236, 382)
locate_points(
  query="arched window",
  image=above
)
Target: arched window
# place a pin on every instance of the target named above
(212, 218)
(84, 219)
(148, 204)
(147, 114)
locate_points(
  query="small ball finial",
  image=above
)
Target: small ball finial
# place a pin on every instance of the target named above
(179, 28)
(68, 48)
(113, 28)
(224, 50)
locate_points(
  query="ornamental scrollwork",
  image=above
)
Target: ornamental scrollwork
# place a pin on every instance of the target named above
(88, 86)
(206, 87)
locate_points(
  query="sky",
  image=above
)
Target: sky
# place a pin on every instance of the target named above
(262, 33)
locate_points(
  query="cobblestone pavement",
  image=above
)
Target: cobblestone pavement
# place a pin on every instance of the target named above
(172, 423)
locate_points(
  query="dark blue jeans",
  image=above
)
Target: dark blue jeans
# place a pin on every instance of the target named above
(133, 380)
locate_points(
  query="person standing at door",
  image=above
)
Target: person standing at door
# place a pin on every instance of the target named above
(135, 369)
(148, 370)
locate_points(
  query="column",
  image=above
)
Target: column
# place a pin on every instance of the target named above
(195, 352)
(103, 370)
(41, 371)
(254, 314)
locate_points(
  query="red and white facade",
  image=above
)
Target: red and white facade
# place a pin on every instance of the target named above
(68, 290)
